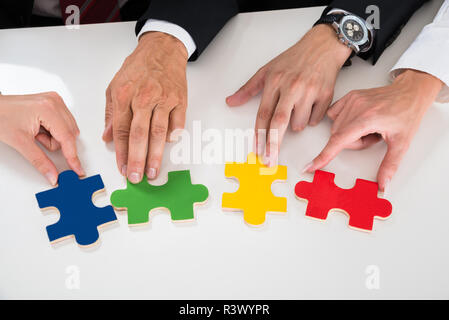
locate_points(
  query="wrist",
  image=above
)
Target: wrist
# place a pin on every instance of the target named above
(166, 42)
(327, 35)
(421, 85)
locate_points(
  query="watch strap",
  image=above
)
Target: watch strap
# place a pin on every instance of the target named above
(329, 18)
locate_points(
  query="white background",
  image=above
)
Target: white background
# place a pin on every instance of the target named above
(219, 256)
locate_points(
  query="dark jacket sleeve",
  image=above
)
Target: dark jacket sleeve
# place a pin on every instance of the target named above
(202, 19)
(393, 17)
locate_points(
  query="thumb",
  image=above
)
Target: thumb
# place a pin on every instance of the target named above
(390, 163)
(29, 149)
(249, 89)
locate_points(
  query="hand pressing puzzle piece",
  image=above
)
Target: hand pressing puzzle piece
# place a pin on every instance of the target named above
(78, 215)
(178, 195)
(254, 196)
(360, 203)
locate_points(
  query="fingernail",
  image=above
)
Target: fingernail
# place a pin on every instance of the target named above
(82, 172)
(50, 177)
(307, 167)
(124, 170)
(151, 173)
(134, 177)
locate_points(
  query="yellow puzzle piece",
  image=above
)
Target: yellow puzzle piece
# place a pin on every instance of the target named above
(254, 196)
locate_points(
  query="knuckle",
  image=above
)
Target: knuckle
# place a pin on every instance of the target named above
(264, 114)
(122, 92)
(311, 85)
(53, 96)
(158, 130)
(121, 133)
(356, 98)
(262, 69)
(392, 166)
(298, 127)
(359, 100)
(138, 134)
(321, 157)
(328, 92)
(175, 99)
(369, 115)
(162, 100)
(142, 100)
(275, 77)
(352, 93)
(68, 136)
(47, 101)
(38, 162)
(295, 83)
(72, 159)
(336, 138)
(280, 118)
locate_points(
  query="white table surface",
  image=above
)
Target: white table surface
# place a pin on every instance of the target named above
(219, 256)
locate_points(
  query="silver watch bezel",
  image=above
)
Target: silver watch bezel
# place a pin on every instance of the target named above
(355, 45)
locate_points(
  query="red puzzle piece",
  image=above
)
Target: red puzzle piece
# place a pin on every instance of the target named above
(360, 203)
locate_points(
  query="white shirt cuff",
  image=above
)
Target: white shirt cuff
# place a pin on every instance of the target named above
(428, 53)
(172, 29)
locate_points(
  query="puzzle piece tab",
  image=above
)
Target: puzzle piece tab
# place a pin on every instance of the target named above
(254, 196)
(360, 203)
(178, 195)
(78, 215)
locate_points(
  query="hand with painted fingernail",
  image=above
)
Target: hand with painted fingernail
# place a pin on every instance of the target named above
(297, 86)
(145, 102)
(44, 118)
(392, 113)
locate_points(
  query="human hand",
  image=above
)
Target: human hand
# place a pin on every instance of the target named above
(297, 84)
(393, 113)
(43, 117)
(145, 102)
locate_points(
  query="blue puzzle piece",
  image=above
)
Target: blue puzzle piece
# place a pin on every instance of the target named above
(78, 215)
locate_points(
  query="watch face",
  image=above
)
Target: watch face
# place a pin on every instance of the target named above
(353, 30)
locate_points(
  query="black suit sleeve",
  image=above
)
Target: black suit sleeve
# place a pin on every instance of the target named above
(202, 19)
(393, 17)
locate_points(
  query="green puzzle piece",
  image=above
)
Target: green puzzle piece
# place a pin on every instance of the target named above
(178, 195)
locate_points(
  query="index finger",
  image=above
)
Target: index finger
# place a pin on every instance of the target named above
(63, 133)
(334, 146)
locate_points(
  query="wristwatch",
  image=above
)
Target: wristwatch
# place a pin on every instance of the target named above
(351, 30)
